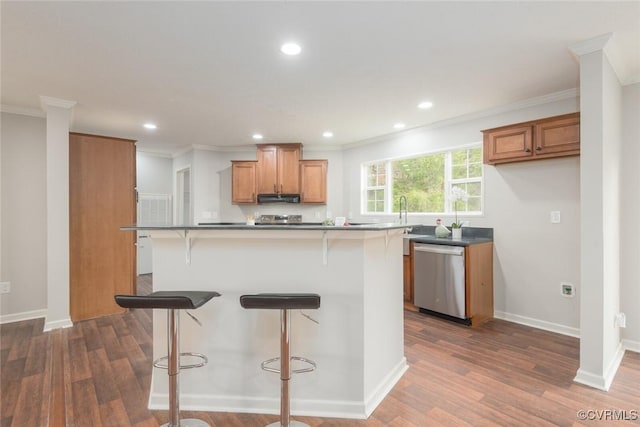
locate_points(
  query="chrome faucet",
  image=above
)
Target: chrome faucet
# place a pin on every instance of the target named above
(406, 209)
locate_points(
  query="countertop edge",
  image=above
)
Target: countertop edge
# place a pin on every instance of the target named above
(367, 227)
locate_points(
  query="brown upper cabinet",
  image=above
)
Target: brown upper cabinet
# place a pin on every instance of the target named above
(278, 168)
(243, 187)
(557, 136)
(313, 181)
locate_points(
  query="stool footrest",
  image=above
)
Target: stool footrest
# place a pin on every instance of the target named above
(310, 368)
(160, 362)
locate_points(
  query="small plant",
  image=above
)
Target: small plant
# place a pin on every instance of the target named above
(458, 194)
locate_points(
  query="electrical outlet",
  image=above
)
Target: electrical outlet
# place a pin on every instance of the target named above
(5, 287)
(554, 217)
(567, 289)
(620, 320)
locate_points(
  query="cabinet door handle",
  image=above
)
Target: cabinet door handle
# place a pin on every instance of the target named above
(274, 188)
(538, 148)
(527, 150)
(281, 188)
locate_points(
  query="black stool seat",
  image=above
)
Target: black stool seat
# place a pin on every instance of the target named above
(171, 300)
(281, 301)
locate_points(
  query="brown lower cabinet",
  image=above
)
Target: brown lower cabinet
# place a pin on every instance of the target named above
(102, 180)
(478, 281)
(407, 268)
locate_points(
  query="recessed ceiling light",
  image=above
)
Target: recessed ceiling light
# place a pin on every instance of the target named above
(327, 134)
(425, 105)
(399, 125)
(257, 136)
(290, 49)
(150, 126)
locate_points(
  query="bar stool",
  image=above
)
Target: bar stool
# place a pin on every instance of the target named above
(284, 303)
(173, 301)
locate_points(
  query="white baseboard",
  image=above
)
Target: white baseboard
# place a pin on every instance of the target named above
(299, 407)
(602, 382)
(260, 405)
(25, 315)
(631, 345)
(57, 324)
(540, 324)
(385, 386)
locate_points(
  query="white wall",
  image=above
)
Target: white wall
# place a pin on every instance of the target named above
(630, 237)
(24, 219)
(532, 256)
(154, 173)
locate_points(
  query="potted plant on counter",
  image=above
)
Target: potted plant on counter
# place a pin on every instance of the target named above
(457, 194)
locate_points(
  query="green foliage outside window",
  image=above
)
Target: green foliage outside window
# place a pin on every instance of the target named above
(427, 183)
(421, 180)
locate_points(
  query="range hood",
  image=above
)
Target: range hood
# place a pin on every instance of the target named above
(278, 198)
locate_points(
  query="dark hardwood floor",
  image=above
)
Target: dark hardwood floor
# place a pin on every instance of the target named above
(97, 373)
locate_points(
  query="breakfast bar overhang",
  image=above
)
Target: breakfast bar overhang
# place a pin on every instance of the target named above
(357, 342)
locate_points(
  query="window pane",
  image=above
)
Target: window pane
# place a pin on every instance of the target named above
(376, 174)
(474, 188)
(474, 204)
(475, 170)
(459, 171)
(421, 181)
(475, 155)
(459, 157)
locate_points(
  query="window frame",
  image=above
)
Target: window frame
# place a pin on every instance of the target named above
(448, 183)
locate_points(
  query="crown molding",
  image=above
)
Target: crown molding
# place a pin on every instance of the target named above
(154, 153)
(226, 148)
(23, 111)
(594, 44)
(519, 105)
(48, 101)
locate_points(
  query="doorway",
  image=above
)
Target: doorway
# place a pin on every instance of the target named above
(183, 197)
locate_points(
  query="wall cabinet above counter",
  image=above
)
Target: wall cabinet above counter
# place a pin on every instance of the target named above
(280, 170)
(557, 136)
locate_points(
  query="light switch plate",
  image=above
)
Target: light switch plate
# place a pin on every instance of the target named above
(554, 217)
(5, 287)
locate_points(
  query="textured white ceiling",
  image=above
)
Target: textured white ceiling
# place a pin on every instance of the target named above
(210, 73)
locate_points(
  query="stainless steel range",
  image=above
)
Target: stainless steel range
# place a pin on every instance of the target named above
(280, 219)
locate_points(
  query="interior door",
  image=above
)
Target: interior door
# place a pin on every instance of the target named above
(102, 173)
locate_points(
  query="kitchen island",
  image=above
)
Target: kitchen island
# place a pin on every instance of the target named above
(358, 342)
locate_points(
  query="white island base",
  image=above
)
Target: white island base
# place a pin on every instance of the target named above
(358, 344)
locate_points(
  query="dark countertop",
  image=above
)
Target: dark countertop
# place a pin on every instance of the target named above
(470, 236)
(243, 226)
(464, 241)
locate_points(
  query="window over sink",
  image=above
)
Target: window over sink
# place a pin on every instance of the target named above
(429, 182)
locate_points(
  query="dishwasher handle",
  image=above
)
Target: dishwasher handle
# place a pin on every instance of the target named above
(439, 249)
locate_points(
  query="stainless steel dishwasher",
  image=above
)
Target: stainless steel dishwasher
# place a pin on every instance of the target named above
(439, 280)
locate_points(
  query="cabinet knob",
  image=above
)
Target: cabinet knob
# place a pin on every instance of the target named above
(527, 150)
(538, 148)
